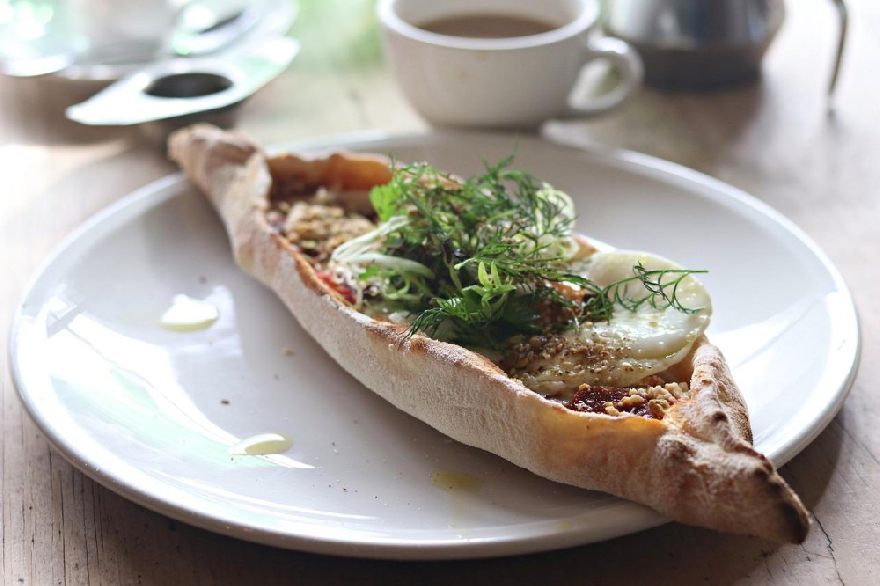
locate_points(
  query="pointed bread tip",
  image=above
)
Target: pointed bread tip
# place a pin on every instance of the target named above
(210, 156)
(788, 521)
(744, 488)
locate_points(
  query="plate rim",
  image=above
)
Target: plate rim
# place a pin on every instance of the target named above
(424, 549)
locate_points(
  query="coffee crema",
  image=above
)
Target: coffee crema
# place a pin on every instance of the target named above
(487, 26)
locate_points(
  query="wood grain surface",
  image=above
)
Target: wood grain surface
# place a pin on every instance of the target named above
(774, 139)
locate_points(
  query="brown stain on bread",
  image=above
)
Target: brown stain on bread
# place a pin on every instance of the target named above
(696, 465)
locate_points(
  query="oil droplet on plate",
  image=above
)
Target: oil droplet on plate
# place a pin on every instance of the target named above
(262, 444)
(187, 314)
(455, 480)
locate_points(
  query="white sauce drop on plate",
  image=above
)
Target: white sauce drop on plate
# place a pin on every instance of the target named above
(262, 444)
(187, 314)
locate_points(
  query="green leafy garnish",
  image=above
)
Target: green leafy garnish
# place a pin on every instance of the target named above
(478, 261)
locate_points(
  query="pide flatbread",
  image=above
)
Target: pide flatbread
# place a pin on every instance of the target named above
(674, 437)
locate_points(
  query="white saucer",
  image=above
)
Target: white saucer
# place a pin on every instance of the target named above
(151, 413)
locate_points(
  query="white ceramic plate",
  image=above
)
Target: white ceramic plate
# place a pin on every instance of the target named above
(144, 410)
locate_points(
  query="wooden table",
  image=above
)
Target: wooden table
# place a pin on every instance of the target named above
(773, 139)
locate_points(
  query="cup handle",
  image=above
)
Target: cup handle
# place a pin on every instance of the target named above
(625, 60)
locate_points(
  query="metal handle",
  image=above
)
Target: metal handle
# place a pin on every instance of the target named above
(843, 16)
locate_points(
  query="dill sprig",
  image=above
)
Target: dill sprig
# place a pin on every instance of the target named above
(480, 260)
(662, 293)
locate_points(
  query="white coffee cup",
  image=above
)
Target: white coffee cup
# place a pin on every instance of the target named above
(502, 82)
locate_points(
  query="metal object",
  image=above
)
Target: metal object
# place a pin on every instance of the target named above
(695, 43)
(175, 93)
(60, 50)
(843, 17)
(705, 44)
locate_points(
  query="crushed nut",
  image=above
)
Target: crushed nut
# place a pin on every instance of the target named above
(651, 401)
(317, 229)
(610, 409)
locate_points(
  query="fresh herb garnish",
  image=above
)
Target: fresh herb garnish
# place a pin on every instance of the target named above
(662, 293)
(478, 261)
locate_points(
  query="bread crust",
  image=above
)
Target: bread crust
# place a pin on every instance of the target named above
(696, 465)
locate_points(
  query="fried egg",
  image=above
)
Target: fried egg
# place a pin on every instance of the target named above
(633, 344)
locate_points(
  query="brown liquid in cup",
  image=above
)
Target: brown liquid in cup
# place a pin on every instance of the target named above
(487, 26)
